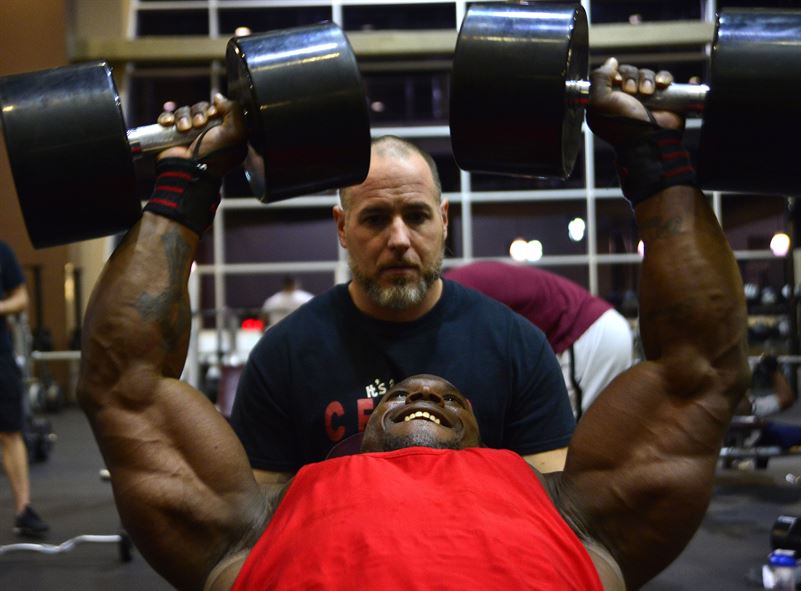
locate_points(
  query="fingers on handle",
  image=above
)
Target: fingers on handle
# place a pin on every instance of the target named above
(183, 119)
(199, 113)
(602, 79)
(167, 119)
(220, 105)
(646, 84)
(630, 79)
(663, 78)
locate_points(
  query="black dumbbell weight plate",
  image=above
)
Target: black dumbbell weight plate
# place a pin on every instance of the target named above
(66, 141)
(306, 110)
(510, 110)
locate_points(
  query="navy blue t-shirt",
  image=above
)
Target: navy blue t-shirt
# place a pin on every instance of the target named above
(314, 378)
(11, 277)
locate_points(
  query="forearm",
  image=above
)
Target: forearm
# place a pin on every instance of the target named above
(784, 392)
(139, 315)
(16, 302)
(692, 309)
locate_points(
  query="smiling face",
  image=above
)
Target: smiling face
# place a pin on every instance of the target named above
(422, 411)
(394, 226)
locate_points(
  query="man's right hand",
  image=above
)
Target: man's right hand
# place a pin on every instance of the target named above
(616, 114)
(222, 147)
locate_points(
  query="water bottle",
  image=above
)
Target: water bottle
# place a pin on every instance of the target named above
(779, 573)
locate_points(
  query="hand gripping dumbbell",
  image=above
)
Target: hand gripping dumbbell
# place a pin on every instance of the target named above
(519, 89)
(72, 156)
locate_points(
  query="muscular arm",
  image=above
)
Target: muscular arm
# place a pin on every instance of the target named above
(181, 480)
(644, 491)
(641, 464)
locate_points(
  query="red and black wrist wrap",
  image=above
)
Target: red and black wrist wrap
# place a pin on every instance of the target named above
(186, 193)
(652, 163)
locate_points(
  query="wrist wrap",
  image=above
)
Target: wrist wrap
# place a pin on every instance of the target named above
(186, 193)
(653, 163)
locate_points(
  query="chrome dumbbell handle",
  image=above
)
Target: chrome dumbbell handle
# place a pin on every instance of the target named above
(155, 138)
(679, 98)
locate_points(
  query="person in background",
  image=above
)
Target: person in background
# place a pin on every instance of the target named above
(770, 395)
(591, 339)
(770, 391)
(13, 300)
(280, 305)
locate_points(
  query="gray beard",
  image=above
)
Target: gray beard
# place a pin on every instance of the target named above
(402, 295)
(417, 439)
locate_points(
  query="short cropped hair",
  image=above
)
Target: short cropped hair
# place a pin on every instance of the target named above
(391, 145)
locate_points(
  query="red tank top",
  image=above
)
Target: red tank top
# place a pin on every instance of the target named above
(418, 518)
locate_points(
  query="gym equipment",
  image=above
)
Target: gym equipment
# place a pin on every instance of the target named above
(72, 156)
(44, 392)
(519, 89)
(39, 438)
(786, 533)
(123, 541)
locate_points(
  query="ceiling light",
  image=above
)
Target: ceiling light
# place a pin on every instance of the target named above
(576, 229)
(533, 250)
(517, 250)
(780, 244)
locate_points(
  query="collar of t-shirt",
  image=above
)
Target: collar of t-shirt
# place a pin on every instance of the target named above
(447, 302)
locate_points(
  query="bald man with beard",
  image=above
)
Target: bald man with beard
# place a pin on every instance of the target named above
(312, 381)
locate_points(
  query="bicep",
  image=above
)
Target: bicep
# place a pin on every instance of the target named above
(642, 461)
(180, 477)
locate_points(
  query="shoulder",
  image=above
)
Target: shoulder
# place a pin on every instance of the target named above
(307, 320)
(479, 308)
(273, 299)
(6, 252)
(462, 295)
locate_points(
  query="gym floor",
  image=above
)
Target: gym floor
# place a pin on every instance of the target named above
(727, 551)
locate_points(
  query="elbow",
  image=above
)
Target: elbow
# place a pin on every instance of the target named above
(735, 375)
(22, 305)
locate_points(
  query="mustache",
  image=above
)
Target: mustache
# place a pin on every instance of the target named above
(400, 263)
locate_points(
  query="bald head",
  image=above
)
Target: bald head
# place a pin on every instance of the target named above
(392, 147)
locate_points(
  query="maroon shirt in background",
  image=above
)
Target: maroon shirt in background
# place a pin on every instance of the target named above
(563, 310)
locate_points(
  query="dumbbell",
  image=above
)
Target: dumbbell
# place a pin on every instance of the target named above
(519, 90)
(786, 533)
(72, 156)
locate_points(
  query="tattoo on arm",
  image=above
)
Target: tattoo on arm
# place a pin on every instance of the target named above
(677, 311)
(168, 308)
(658, 227)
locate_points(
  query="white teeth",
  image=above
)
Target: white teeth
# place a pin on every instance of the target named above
(422, 415)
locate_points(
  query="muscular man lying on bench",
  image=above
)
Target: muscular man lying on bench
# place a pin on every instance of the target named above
(426, 506)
